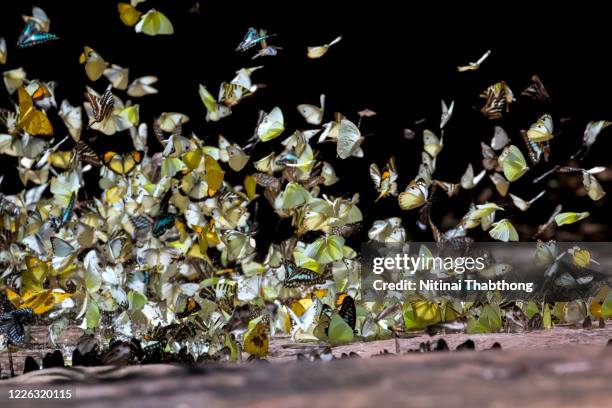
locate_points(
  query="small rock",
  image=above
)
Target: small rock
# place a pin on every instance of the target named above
(466, 345)
(441, 345)
(30, 365)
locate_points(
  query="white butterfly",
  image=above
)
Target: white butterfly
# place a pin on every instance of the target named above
(311, 113)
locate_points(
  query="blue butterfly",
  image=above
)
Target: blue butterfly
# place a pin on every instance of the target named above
(32, 35)
(58, 223)
(252, 38)
(163, 222)
(297, 276)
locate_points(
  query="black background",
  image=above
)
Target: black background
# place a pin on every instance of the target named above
(396, 59)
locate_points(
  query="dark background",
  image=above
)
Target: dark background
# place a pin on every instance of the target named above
(396, 59)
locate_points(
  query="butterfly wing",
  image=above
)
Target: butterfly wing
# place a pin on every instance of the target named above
(348, 312)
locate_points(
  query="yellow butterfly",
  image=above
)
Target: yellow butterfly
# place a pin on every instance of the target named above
(122, 163)
(432, 144)
(214, 174)
(415, 195)
(581, 257)
(321, 50)
(94, 63)
(504, 231)
(513, 163)
(542, 129)
(256, 340)
(154, 23)
(128, 14)
(40, 301)
(31, 120)
(214, 110)
(271, 126)
(567, 218)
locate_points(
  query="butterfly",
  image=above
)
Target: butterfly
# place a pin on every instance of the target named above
(61, 248)
(347, 311)
(542, 129)
(163, 222)
(536, 90)
(12, 321)
(128, 14)
(66, 214)
(513, 163)
(94, 63)
(268, 51)
(214, 110)
(311, 113)
(297, 276)
(154, 23)
(252, 37)
(122, 164)
(385, 182)
(504, 231)
(36, 30)
(498, 98)
(256, 340)
(524, 205)
(447, 113)
(349, 140)
(489, 157)
(473, 66)
(271, 126)
(416, 195)
(536, 150)
(320, 50)
(140, 222)
(32, 120)
(87, 154)
(221, 291)
(191, 306)
(101, 106)
(591, 132)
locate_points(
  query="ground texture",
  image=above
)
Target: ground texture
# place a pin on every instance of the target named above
(562, 367)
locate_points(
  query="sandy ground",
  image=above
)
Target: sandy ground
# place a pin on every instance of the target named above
(562, 367)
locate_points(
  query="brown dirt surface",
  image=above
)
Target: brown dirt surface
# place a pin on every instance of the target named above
(563, 367)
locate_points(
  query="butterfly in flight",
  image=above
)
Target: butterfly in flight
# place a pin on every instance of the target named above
(101, 106)
(252, 38)
(36, 30)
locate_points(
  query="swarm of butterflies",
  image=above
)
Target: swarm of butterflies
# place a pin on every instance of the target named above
(167, 253)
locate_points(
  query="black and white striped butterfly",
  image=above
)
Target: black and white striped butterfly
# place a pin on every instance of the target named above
(87, 154)
(101, 106)
(12, 321)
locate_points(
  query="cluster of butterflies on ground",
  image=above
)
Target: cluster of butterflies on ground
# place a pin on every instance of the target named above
(167, 253)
